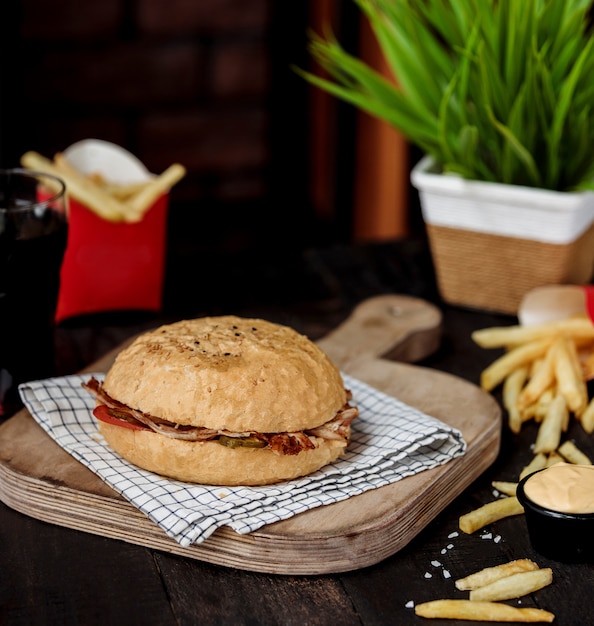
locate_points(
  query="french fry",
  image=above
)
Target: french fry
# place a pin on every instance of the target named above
(513, 586)
(572, 347)
(572, 454)
(554, 458)
(124, 191)
(139, 203)
(515, 420)
(588, 364)
(77, 186)
(534, 366)
(96, 177)
(543, 403)
(495, 373)
(505, 487)
(541, 379)
(565, 421)
(550, 429)
(569, 376)
(528, 413)
(538, 462)
(489, 513)
(587, 417)
(489, 575)
(481, 611)
(580, 328)
(512, 387)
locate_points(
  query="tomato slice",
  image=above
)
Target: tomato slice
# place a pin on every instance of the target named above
(105, 414)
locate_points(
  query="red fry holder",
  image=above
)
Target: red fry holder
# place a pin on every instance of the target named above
(589, 296)
(108, 265)
(113, 266)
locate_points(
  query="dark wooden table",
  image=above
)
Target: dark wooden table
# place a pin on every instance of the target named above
(54, 575)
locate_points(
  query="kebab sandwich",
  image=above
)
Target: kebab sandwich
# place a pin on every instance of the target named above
(224, 400)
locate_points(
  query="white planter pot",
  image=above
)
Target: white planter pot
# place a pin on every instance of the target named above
(491, 243)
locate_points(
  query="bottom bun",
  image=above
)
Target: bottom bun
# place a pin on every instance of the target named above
(211, 463)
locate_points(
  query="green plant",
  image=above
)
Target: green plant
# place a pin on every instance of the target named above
(497, 90)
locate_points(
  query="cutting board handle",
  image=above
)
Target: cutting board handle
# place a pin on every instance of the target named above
(395, 327)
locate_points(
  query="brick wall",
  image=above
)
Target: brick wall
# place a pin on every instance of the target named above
(203, 82)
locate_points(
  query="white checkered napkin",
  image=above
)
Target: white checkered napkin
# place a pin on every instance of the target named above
(390, 441)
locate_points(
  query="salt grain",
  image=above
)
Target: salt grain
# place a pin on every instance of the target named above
(446, 574)
(452, 535)
(497, 539)
(443, 551)
(450, 546)
(410, 604)
(487, 536)
(435, 563)
(428, 575)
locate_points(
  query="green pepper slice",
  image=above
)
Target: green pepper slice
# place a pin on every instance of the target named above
(239, 442)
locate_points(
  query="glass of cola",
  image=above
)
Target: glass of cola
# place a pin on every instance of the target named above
(33, 235)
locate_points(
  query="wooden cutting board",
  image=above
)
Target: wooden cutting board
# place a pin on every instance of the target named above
(40, 479)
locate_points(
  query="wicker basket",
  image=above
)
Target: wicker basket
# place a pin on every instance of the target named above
(493, 243)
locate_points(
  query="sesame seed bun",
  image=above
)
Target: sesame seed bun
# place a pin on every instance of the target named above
(229, 373)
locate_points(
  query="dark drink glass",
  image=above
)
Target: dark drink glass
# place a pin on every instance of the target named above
(33, 233)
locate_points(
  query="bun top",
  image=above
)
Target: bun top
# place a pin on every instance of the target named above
(230, 373)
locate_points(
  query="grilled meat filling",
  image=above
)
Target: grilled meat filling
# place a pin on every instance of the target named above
(338, 428)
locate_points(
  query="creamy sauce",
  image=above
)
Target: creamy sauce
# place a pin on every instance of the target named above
(563, 487)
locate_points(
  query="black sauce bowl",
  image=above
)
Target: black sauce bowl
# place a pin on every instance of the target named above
(564, 537)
